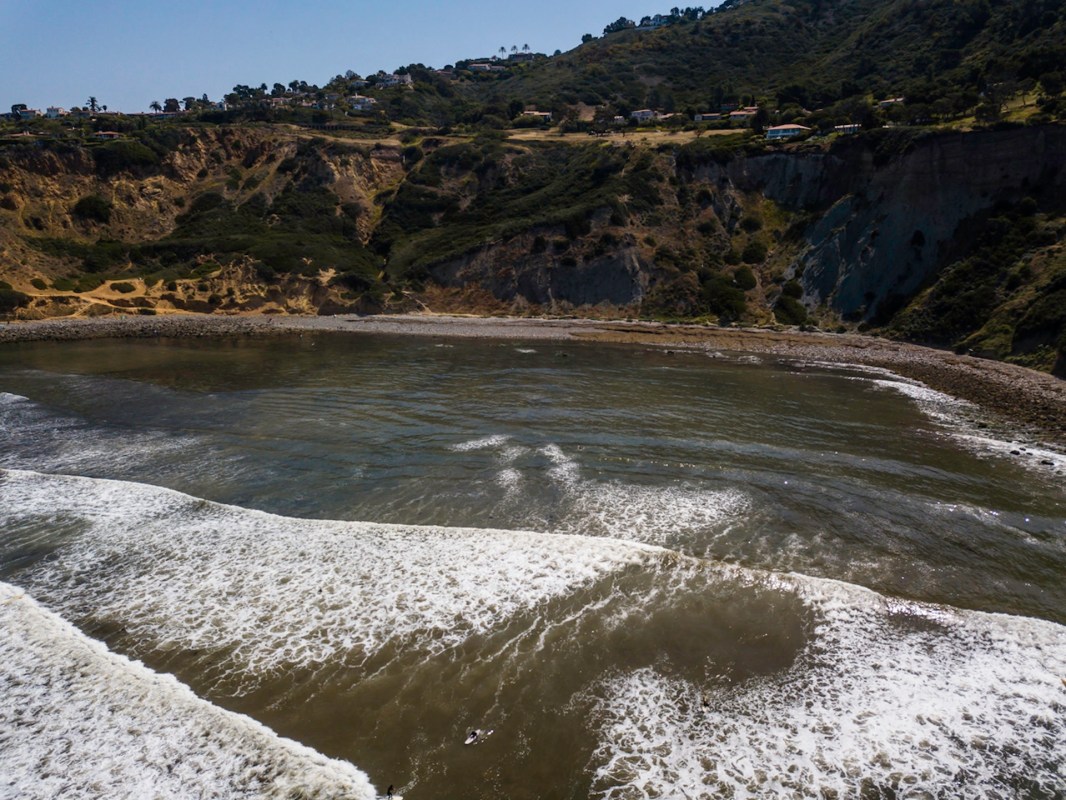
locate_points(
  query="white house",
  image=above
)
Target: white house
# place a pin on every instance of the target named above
(708, 117)
(54, 112)
(387, 81)
(851, 127)
(543, 116)
(359, 103)
(643, 114)
(786, 131)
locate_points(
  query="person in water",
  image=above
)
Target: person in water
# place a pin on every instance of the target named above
(388, 792)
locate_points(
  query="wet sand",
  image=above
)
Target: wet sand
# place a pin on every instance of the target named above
(1029, 403)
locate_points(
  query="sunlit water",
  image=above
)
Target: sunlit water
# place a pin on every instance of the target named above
(650, 575)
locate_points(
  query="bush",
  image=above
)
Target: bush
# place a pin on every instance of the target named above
(792, 289)
(10, 299)
(39, 283)
(124, 155)
(123, 287)
(751, 223)
(93, 208)
(789, 311)
(744, 278)
(754, 252)
(63, 285)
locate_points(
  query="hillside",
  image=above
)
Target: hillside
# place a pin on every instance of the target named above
(873, 231)
(947, 56)
(949, 233)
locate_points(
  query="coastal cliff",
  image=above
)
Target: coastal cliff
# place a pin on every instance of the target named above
(945, 238)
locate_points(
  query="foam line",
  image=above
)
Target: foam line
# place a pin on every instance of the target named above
(889, 698)
(78, 721)
(275, 592)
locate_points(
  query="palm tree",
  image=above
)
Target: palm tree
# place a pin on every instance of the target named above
(503, 52)
(92, 105)
(514, 48)
(154, 105)
(525, 48)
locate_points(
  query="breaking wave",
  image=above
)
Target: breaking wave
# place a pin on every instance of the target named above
(78, 721)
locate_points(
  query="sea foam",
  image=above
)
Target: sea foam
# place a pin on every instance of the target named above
(889, 698)
(274, 593)
(78, 721)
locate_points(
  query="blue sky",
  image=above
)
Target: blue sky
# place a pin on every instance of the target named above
(128, 53)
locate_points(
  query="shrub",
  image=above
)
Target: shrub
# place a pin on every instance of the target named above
(751, 223)
(39, 283)
(10, 299)
(93, 208)
(792, 289)
(123, 287)
(63, 285)
(124, 155)
(789, 311)
(754, 252)
(744, 278)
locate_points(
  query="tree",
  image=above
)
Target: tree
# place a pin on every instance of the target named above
(189, 103)
(171, 105)
(525, 48)
(760, 120)
(503, 52)
(18, 108)
(514, 48)
(155, 106)
(91, 103)
(619, 24)
(588, 37)
(278, 90)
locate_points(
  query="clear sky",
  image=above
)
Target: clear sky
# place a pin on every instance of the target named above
(128, 53)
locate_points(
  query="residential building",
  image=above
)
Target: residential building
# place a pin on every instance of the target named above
(543, 116)
(786, 131)
(360, 103)
(387, 81)
(708, 117)
(643, 115)
(54, 112)
(851, 127)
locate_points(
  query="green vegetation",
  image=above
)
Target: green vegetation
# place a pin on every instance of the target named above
(93, 208)
(11, 299)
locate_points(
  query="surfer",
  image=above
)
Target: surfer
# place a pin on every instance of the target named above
(472, 737)
(388, 792)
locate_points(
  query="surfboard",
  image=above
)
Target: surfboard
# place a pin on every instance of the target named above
(477, 736)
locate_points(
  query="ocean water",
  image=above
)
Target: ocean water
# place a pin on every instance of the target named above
(650, 575)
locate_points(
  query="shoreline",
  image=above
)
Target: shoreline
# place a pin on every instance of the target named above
(1025, 401)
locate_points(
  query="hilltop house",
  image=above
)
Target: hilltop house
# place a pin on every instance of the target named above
(54, 112)
(851, 127)
(543, 116)
(743, 116)
(708, 117)
(651, 23)
(388, 81)
(643, 115)
(359, 103)
(786, 131)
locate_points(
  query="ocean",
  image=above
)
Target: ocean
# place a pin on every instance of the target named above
(314, 564)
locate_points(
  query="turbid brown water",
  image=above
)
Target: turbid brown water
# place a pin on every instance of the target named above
(651, 575)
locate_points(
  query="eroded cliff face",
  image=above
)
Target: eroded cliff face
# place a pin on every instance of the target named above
(884, 230)
(881, 227)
